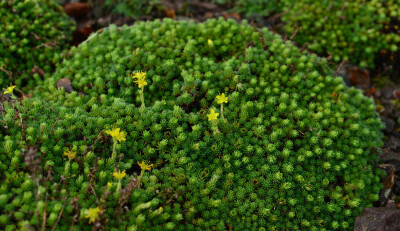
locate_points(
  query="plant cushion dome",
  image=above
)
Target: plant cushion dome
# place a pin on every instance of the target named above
(352, 30)
(32, 33)
(291, 148)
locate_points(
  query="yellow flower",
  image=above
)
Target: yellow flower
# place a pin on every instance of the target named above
(109, 184)
(117, 133)
(210, 43)
(71, 154)
(144, 166)
(136, 52)
(119, 175)
(222, 98)
(141, 78)
(121, 136)
(9, 90)
(114, 132)
(141, 82)
(139, 75)
(212, 115)
(93, 214)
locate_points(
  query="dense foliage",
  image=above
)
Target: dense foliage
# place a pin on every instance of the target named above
(290, 148)
(131, 8)
(346, 30)
(253, 8)
(356, 31)
(32, 33)
(353, 30)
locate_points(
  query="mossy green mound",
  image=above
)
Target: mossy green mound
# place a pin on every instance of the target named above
(295, 149)
(356, 31)
(32, 33)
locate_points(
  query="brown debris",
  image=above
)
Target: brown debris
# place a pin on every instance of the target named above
(169, 9)
(232, 15)
(66, 84)
(389, 179)
(358, 77)
(170, 13)
(37, 70)
(77, 8)
(81, 35)
(205, 5)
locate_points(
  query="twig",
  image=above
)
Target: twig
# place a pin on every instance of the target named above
(23, 94)
(340, 66)
(294, 32)
(59, 215)
(75, 205)
(52, 128)
(9, 73)
(94, 192)
(300, 132)
(44, 216)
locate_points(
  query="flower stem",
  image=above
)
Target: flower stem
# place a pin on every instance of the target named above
(142, 99)
(222, 111)
(140, 177)
(114, 153)
(215, 127)
(119, 185)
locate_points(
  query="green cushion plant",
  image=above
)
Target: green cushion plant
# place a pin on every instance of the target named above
(356, 31)
(131, 8)
(32, 33)
(216, 125)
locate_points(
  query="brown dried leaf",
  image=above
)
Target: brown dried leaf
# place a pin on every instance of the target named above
(205, 5)
(388, 182)
(37, 70)
(81, 35)
(66, 84)
(358, 77)
(77, 8)
(233, 15)
(170, 13)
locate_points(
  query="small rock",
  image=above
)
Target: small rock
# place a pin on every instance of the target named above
(391, 205)
(388, 105)
(378, 219)
(66, 84)
(389, 124)
(103, 22)
(387, 92)
(394, 142)
(388, 154)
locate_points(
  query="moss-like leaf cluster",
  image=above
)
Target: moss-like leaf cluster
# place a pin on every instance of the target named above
(32, 33)
(345, 29)
(295, 149)
(131, 8)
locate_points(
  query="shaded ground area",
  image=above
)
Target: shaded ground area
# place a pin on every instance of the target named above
(382, 83)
